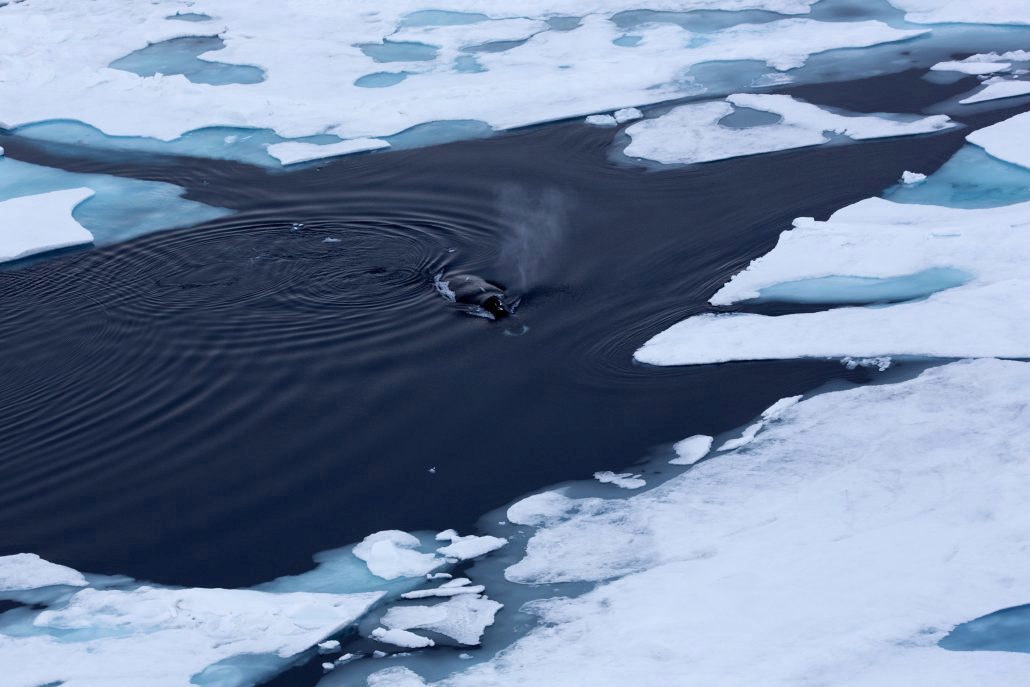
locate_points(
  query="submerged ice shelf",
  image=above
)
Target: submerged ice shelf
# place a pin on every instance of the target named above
(72, 209)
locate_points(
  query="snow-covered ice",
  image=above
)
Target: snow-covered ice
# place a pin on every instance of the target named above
(966, 67)
(468, 547)
(693, 133)
(967, 268)
(391, 554)
(692, 449)
(41, 222)
(623, 480)
(839, 549)
(23, 571)
(462, 618)
(995, 89)
(165, 637)
(455, 587)
(313, 55)
(964, 11)
(912, 177)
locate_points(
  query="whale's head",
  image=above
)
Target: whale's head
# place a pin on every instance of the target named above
(496, 306)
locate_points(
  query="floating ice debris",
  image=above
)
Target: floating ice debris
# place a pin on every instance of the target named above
(329, 646)
(881, 363)
(439, 576)
(401, 638)
(601, 120)
(1, 151)
(294, 152)
(692, 449)
(851, 538)
(769, 414)
(627, 114)
(468, 547)
(23, 571)
(460, 585)
(912, 178)
(42, 222)
(391, 554)
(968, 267)
(1008, 140)
(624, 480)
(328, 666)
(693, 133)
(431, 471)
(462, 618)
(330, 239)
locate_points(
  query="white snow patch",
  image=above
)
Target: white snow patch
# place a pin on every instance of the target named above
(964, 11)
(692, 449)
(23, 571)
(397, 676)
(692, 133)
(42, 222)
(974, 67)
(601, 120)
(995, 89)
(911, 178)
(294, 152)
(391, 554)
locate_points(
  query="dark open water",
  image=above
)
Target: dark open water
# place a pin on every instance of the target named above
(214, 405)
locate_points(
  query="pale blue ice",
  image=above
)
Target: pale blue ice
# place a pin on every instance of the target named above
(845, 289)
(970, 179)
(399, 51)
(182, 56)
(380, 79)
(1004, 630)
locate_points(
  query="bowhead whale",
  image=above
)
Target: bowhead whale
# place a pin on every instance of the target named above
(475, 292)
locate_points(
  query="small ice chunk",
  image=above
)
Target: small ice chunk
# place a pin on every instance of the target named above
(401, 638)
(391, 554)
(770, 413)
(1, 151)
(23, 571)
(692, 449)
(971, 67)
(438, 576)
(881, 363)
(461, 585)
(539, 508)
(627, 114)
(465, 548)
(328, 666)
(601, 120)
(345, 658)
(328, 646)
(910, 178)
(295, 152)
(624, 480)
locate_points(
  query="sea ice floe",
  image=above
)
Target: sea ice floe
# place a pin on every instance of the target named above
(771, 413)
(623, 480)
(839, 549)
(391, 554)
(995, 89)
(692, 449)
(462, 618)
(693, 133)
(601, 120)
(22, 571)
(166, 637)
(314, 54)
(455, 587)
(912, 177)
(42, 222)
(974, 67)
(468, 547)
